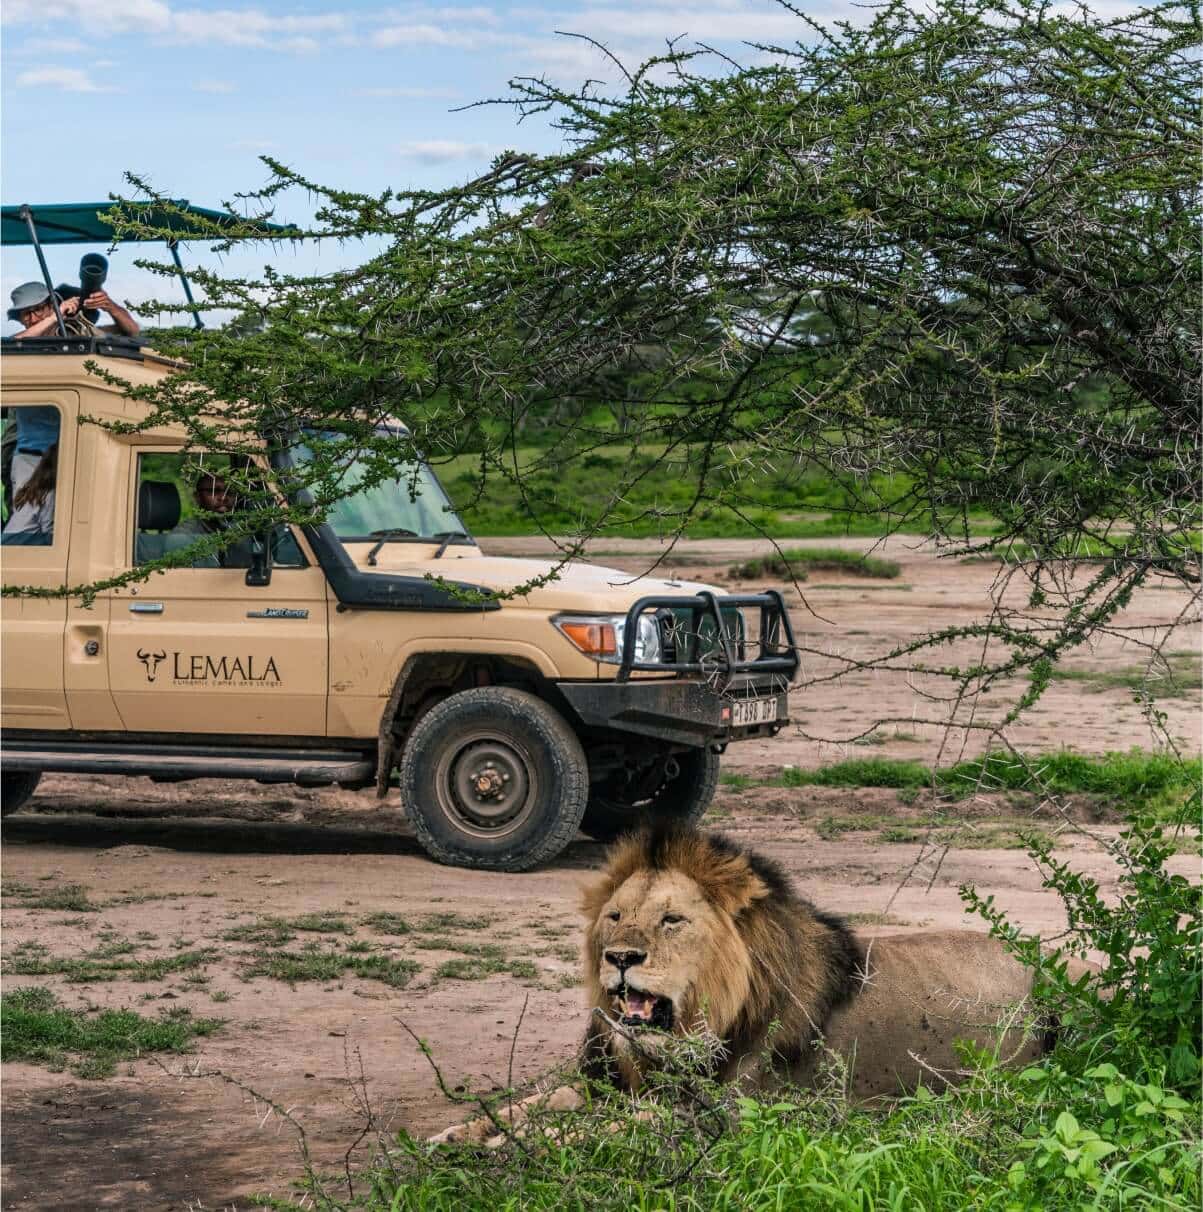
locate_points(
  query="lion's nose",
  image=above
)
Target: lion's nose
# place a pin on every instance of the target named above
(625, 959)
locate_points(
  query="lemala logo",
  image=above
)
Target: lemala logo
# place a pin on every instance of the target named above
(199, 669)
(151, 661)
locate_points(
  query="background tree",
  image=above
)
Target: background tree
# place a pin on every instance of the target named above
(959, 245)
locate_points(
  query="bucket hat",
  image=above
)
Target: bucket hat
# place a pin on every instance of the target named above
(27, 295)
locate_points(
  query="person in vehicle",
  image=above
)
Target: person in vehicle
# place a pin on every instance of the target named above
(33, 309)
(215, 497)
(32, 520)
(37, 430)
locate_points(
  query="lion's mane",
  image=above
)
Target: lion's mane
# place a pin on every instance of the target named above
(790, 964)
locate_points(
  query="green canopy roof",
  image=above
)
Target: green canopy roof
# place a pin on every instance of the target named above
(84, 222)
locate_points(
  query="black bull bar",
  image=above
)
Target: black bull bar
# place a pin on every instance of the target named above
(692, 710)
(776, 642)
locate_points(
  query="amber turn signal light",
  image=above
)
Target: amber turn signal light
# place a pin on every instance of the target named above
(592, 638)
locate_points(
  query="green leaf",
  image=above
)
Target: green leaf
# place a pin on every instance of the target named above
(1066, 1126)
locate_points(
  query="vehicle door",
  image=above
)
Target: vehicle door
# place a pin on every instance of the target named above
(34, 540)
(196, 650)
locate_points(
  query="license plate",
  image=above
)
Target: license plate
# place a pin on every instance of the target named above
(747, 712)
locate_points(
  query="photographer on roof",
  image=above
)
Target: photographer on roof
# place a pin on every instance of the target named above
(80, 307)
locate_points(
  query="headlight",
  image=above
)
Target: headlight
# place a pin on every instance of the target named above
(601, 636)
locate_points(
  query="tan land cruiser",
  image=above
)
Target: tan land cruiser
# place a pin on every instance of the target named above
(328, 655)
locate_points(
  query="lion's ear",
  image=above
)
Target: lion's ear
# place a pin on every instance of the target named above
(594, 896)
(625, 857)
(733, 886)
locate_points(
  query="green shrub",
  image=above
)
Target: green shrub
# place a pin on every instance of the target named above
(1143, 1011)
(800, 562)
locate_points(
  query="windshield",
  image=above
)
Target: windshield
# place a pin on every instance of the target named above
(414, 501)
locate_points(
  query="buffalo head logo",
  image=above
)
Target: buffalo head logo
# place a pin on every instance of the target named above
(151, 661)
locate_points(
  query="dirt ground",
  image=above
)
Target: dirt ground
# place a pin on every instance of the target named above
(211, 869)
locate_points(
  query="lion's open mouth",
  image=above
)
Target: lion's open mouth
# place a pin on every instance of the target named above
(639, 1009)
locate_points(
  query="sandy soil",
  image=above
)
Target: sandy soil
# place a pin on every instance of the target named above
(177, 868)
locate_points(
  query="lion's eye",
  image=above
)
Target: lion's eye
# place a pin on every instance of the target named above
(671, 919)
(614, 915)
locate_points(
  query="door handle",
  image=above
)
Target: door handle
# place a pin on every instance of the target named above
(146, 607)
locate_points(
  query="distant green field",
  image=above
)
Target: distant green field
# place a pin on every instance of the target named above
(782, 500)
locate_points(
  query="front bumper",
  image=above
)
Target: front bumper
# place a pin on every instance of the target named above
(723, 650)
(678, 711)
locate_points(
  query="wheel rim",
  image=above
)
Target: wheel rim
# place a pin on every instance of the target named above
(486, 785)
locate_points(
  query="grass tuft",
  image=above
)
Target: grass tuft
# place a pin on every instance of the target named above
(385, 922)
(1133, 778)
(106, 963)
(314, 964)
(799, 563)
(34, 1027)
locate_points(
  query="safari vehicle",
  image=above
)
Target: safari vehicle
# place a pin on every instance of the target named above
(330, 656)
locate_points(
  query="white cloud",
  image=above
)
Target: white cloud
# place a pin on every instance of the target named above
(436, 94)
(424, 33)
(119, 16)
(702, 22)
(440, 151)
(253, 27)
(62, 79)
(245, 27)
(52, 46)
(214, 86)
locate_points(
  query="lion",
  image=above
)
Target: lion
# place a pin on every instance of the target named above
(690, 934)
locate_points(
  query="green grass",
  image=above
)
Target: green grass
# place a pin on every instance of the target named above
(325, 922)
(999, 1145)
(1008, 834)
(314, 964)
(276, 931)
(1177, 678)
(386, 922)
(1132, 778)
(73, 898)
(1018, 552)
(34, 1027)
(442, 942)
(799, 563)
(784, 500)
(453, 921)
(476, 968)
(106, 963)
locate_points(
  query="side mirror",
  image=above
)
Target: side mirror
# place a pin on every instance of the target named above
(260, 571)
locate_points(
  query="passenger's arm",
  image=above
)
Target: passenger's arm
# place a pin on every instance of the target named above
(123, 322)
(49, 322)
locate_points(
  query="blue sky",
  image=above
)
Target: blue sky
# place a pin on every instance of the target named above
(358, 95)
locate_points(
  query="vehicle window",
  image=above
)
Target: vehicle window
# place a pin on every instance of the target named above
(29, 462)
(185, 498)
(413, 502)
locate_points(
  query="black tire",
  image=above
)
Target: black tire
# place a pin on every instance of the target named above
(456, 774)
(16, 788)
(685, 798)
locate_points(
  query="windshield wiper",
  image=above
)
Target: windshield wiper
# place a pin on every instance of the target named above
(448, 537)
(383, 536)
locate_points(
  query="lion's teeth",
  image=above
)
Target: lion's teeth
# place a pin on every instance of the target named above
(639, 1005)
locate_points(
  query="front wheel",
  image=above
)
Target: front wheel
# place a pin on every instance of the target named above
(16, 789)
(494, 778)
(613, 810)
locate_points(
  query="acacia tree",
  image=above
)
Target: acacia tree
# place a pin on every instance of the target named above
(959, 244)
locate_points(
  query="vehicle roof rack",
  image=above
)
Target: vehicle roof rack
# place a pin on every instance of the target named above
(109, 345)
